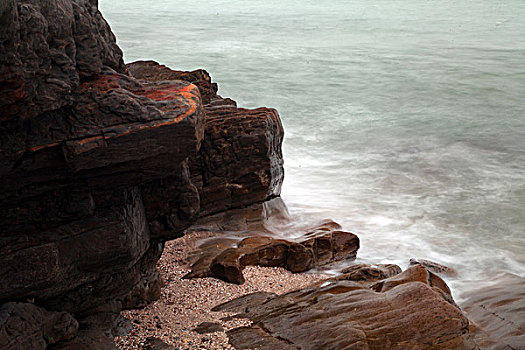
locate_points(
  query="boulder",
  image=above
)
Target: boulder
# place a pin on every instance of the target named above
(405, 313)
(225, 259)
(208, 327)
(249, 142)
(153, 343)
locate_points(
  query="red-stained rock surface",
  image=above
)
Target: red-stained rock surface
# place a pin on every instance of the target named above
(98, 168)
(153, 71)
(240, 161)
(406, 313)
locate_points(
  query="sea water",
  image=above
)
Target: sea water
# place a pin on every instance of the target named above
(404, 119)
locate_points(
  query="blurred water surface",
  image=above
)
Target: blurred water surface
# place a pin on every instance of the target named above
(404, 119)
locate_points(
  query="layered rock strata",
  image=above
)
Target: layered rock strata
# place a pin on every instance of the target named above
(226, 258)
(99, 167)
(412, 310)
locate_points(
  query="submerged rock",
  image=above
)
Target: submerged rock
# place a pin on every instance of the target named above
(403, 312)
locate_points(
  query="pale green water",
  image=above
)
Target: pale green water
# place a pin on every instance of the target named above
(404, 119)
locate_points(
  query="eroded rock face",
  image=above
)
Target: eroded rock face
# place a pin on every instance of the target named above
(47, 48)
(249, 141)
(99, 168)
(26, 326)
(240, 159)
(405, 313)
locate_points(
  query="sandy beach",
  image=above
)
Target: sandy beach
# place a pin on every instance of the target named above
(184, 304)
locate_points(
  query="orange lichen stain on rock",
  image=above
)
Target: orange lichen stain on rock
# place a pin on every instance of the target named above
(169, 92)
(186, 95)
(39, 147)
(90, 139)
(192, 107)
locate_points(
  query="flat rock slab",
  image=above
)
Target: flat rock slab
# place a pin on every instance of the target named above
(255, 338)
(405, 313)
(497, 309)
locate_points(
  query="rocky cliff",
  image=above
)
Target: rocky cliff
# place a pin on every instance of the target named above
(100, 164)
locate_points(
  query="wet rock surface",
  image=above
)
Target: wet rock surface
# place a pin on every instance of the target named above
(319, 245)
(99, 167)
(240, 158)
(369, 273)
(434, 267)
(497, 310)
(403, 312)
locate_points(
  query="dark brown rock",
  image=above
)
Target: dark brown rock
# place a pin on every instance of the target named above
(369, 273)
(434, 267)
(406, 313)
(255, 338)
(153, 71)
(241, 305)
(416, 273)
(46, 49)
(299, 258)
(208, 327)
(152, 343)
(224, 261)
(97, 331)
(249, 141)
(26, 326)
(99, 168)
